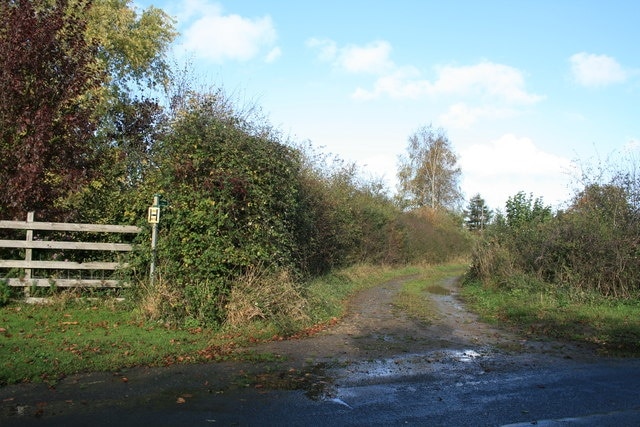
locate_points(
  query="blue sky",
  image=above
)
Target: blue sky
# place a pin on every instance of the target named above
(523, 88)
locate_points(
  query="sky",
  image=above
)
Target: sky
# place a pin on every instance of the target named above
(529, 92)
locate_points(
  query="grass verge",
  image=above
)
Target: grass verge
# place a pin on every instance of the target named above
(48, 342)
(541, 310)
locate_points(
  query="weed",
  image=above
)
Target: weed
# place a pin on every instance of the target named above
(272, 297)
(5, 293)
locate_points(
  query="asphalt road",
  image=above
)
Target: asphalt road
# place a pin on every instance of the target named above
(443, 388)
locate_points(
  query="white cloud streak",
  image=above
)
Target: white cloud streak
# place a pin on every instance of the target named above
(372, 58)
(486, 80)
(592, 70)
(494, 90)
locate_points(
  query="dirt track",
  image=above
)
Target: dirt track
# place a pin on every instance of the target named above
(375, 328)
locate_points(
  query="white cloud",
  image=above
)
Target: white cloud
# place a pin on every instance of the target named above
(487, 81)
(219, 37)
(402, 83)
(460, 115)
(482, 91)
(511, 155)
(327, 48)
(596, 70)
(273, 55)
(501, 168)
(371, 58)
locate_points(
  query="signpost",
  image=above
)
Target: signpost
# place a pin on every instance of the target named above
(153, 218)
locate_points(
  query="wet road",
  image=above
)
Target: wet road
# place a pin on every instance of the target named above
(447, 387)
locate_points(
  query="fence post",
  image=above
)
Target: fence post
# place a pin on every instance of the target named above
(28, 255)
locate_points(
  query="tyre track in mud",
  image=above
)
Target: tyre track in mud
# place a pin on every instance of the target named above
(374, 327)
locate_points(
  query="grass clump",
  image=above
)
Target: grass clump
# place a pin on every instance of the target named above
(274, 298)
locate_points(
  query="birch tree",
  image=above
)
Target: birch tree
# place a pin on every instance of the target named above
(428, 174)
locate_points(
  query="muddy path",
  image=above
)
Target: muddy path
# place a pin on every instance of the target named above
(375, 328)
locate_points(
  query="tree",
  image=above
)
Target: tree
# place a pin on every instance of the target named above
(523, 210)
(428, 175)
(46, 73)
(477, 214)
(69, 124)
(132, 44)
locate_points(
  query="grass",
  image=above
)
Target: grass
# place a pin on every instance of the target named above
(48, 342)
(540, 310)
(414, 297)
(45, 343)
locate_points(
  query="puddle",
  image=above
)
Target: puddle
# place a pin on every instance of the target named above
(451, 301)
(438, 290)
(466, 355)
(436, 363)
(339, 402)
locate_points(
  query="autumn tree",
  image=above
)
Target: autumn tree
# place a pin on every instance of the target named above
(46, 75)
(477, 215)
(133, 44)
(73, 122)
(428, 174)
(132, 53)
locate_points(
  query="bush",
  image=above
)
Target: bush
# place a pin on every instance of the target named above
(591, 246)
(232, 200)
(432, 235)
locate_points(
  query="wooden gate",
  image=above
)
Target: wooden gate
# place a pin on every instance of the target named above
(84, 270)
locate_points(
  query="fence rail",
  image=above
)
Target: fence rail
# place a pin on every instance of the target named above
(29, 244)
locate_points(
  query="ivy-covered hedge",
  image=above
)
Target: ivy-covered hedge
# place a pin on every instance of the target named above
(232, 202)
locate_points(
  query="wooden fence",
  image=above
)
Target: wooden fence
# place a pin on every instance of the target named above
(29, 244)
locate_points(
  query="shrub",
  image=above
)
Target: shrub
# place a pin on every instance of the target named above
(591, 246)
(232, 196)
(432, 235)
